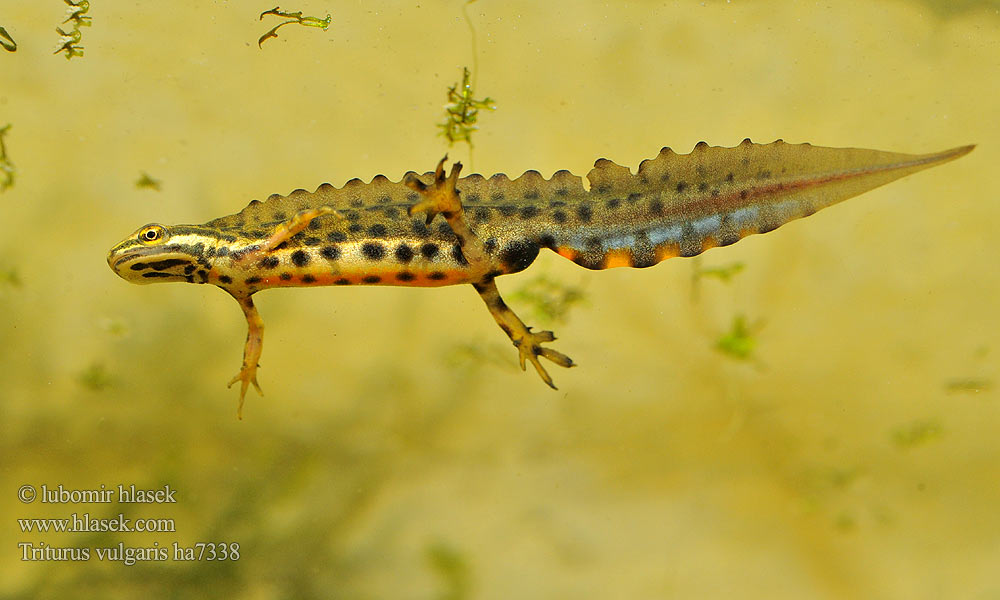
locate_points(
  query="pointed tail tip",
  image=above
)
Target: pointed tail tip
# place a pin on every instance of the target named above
(944, 156)
(957, 152)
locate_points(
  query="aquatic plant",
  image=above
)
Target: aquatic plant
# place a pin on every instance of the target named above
(462, 111)
(293, 17)
(6, 167)
(70, 41)
(6, 41)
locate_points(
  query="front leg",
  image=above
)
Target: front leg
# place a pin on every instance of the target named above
(251, 351)
(286, 230)
(441, 197)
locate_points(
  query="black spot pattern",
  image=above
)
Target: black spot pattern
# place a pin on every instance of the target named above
(517, 255)
(429, 251)
(420, 229)
(269, 262)
(300, 258)
(373, 250)
(404, 253)
(330, 252)
(371, 279)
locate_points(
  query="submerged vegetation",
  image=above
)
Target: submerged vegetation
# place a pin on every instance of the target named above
(7, 169)
(452, 569)
(739, 342)
(549, 300)
(70, 42)
(6, 41)
(293, 17)
(146, 182)
(95, 377)
(462, 111)
(10, 278)
(917, 433)
(972, 385)
(723, 273)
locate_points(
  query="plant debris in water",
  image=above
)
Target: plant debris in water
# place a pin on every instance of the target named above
(10, 278)
(70, 42)
(95, 378)
(7, 169)
(462, 111)
(723, 273)
(145, 182)
(6, 41)
(917, 433)
(549, 300)
(739, 342)
(293, 17)
(971, 385)
(451, 567)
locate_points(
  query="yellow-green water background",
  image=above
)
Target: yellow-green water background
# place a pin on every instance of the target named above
(399, 453)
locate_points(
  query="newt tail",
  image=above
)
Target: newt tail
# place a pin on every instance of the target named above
(373, 233)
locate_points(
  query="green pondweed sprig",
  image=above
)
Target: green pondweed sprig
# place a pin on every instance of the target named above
(6, 41)
(70, 42)
(462, 111)
(147, 182)
(293, 17)
(7, 169)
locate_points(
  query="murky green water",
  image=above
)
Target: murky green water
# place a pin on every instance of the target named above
(842, 443)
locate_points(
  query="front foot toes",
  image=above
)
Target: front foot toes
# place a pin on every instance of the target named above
(529, 348)
(246, 376)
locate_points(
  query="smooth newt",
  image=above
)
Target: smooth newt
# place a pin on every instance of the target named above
(371, 234)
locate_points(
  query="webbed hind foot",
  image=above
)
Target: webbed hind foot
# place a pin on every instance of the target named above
(529, 347)
(528, 343)
(251, 351)
(247, 375)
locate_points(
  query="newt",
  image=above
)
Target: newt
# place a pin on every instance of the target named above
(387, 233)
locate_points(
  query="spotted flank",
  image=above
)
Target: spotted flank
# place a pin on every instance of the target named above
(388, 233)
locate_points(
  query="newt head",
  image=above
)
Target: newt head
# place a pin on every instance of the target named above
(158, 253)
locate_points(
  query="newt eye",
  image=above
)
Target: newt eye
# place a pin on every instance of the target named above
(152, 234)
